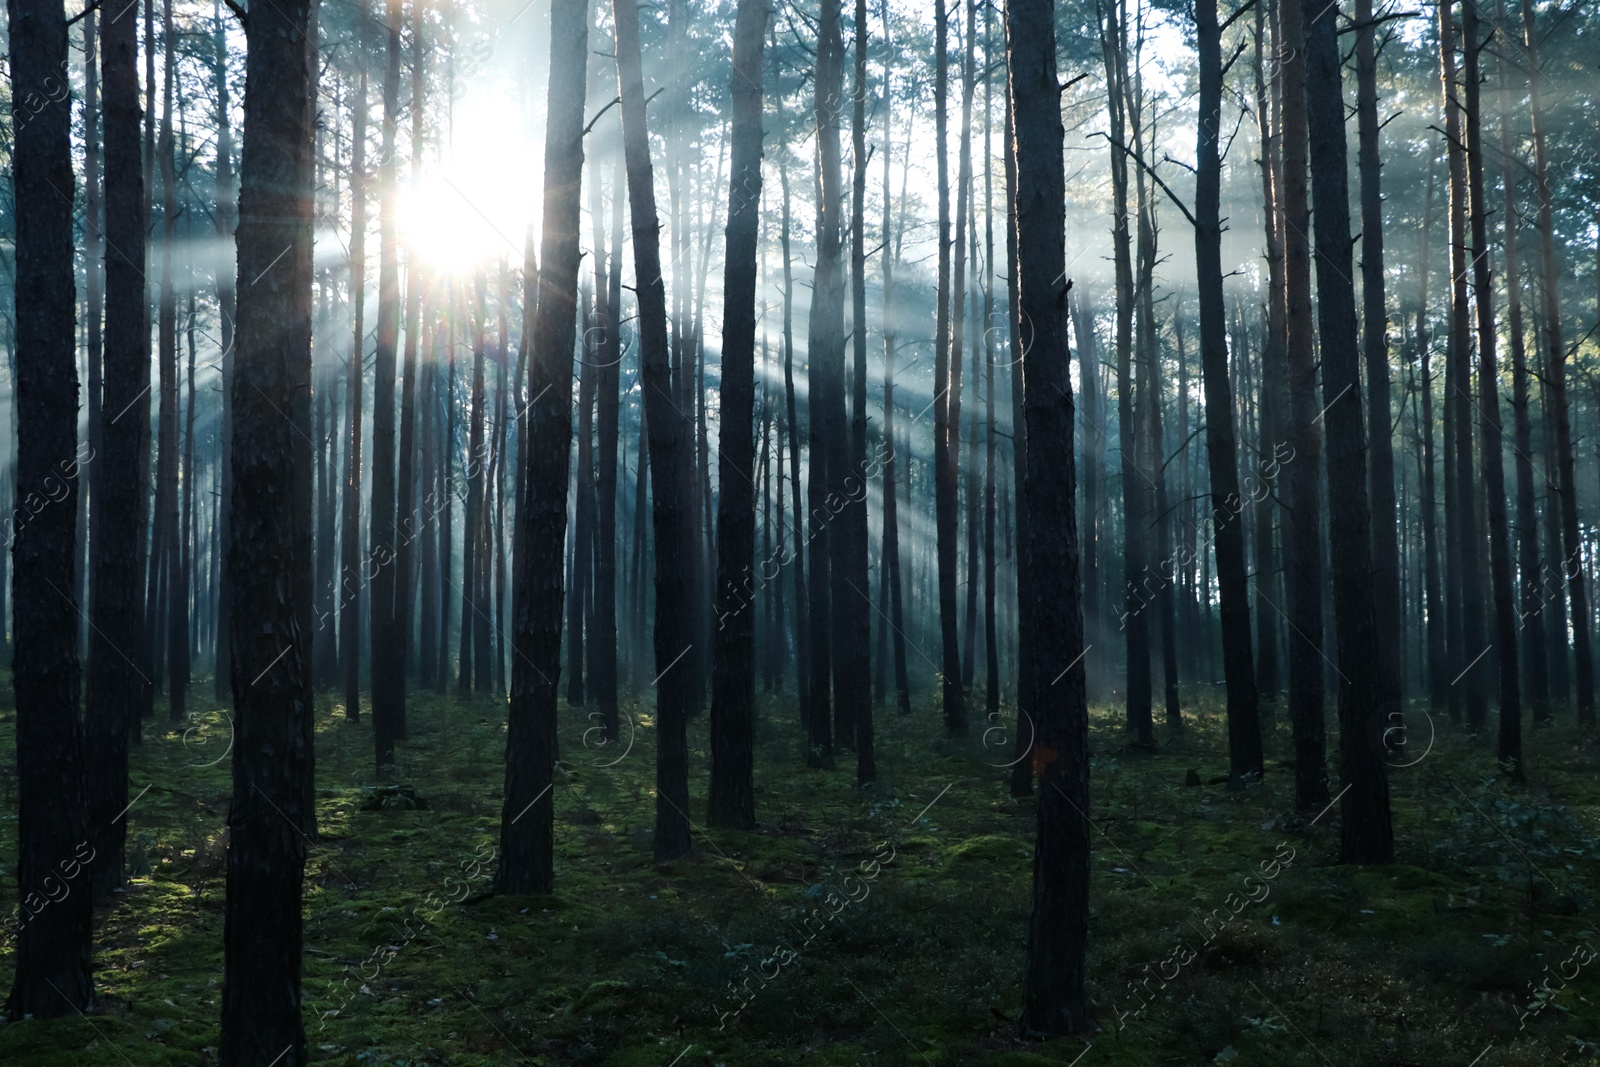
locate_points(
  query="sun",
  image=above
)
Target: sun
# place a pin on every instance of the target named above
(471, 205)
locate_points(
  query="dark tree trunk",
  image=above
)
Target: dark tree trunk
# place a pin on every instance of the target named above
(825, 407)
(608, 348)
(388, 683)
(1556, 376)
(54, 940)
(428, 601)
(405, 530)
(802, 614)
(268, 816)
(732, 800)
(94, 305)
(669, 457)
(1437, 663)
(1027, 734)
(958, 324)
(855, 692)
(174, 619)
(472, 528)
(890, 559)
(1274, 370)
(1467, 662)
(1491, 436)
(1304, 577)
(1092, 417)
(1531, 616)
(121, 484)
(527, 817)
(991, 636)
(1365, 833)
(1132, 620)
(351, 579)
(1053, 995)
(1375, 345)
(946, 435)
(1244, 726)
(583, 516)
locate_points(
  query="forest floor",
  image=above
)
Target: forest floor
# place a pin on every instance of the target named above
(905, 961)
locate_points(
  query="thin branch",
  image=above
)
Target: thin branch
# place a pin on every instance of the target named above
(93, 5)
(1231, 19)
(1147, 169)
(615, 100)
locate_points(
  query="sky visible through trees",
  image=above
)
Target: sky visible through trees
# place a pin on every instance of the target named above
(513, 504)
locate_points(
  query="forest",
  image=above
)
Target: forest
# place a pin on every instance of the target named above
(513, 506)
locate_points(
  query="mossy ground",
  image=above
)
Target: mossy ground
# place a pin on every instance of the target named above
(629, 964)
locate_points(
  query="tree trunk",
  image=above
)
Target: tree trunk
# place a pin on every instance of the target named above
(1491, 436)
(351, 579)
(1022, 772)
(1556, 376)
(582, 526)
(1365, 833)
(1132, 620)
(121, 484)
(945, 376)
(1375, 344)
(175, 585)
(53, 941)
(1274, 370)
(268, 816)
(802, 615)
(732, 800)
(855, 693)
(1467, 660)
(829, 609)
(1304, 577)
(405, 529)
(890, 558)
(1053, 995)
(527, 819)
(991, 636)
(471, 531)
(603, 652)
(669, 458)
(1437, 662)
(1244, 726)
(1530, 620)
(388, 685)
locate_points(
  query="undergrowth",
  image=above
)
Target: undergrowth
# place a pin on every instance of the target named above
(880, 926)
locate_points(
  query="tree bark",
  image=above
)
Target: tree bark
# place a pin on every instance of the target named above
(1365, 835)
(351, 579)
(1491, 435)
(1375, 345)
(53, 947)
(1556, 376)
(175, 619)
(527, 816)
(269, 816)
(603, 654)
(1304, 584)
(1244, 726)
(1467, 663)
(732, 800)
(890, 558)
(1053, 995)
(669, 459)
(945, 375)
(121, 484)
(1530, 622)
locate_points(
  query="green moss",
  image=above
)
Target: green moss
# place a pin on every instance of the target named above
(629, 963)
